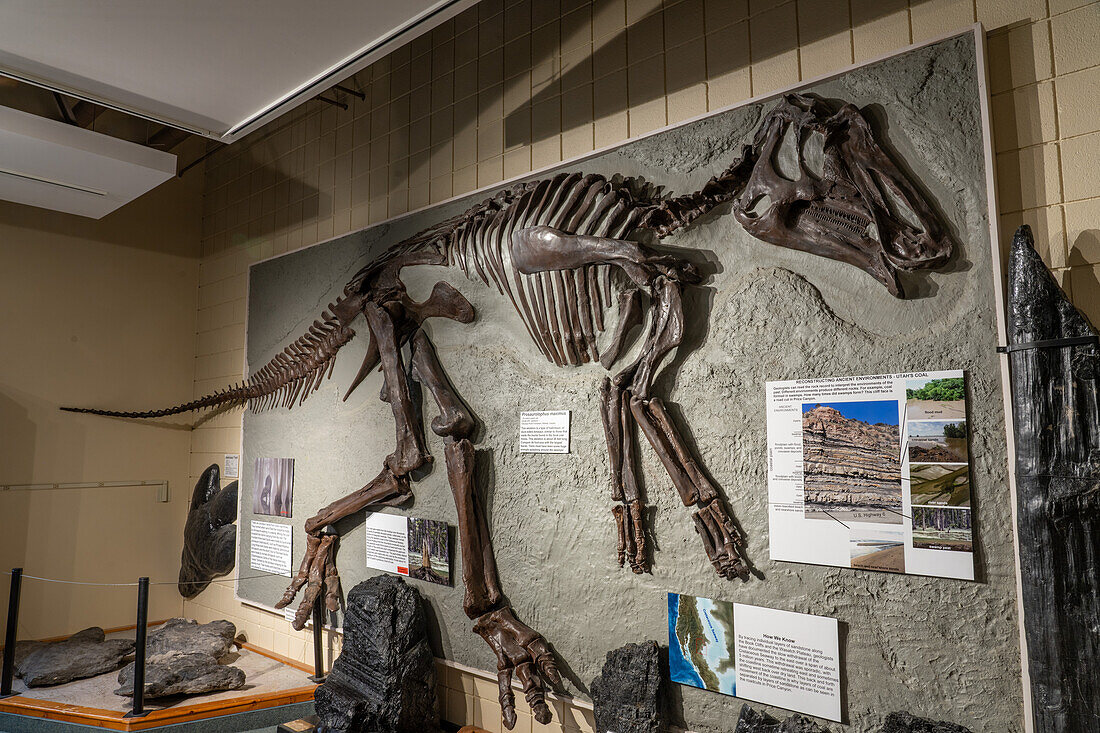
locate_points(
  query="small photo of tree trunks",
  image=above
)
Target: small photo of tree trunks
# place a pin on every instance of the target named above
(429, 551)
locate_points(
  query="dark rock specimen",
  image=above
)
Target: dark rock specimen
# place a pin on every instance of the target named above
(627, 693)
(848, 463)
(384, 679)
(754, 721)
(84, 654)
(182, 635)
(908, 723)
(1056, 415)
(23, 649)
(209, 537)
(181, 673)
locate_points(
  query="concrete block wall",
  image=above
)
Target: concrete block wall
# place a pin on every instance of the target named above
(511, 86)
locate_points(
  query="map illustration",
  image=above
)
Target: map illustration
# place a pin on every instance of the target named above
(700, 643)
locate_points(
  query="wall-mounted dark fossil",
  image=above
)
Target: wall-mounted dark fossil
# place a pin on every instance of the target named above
(209, 537)
(627, 694)
(549, 246)
(384, 679)
(1055, 365)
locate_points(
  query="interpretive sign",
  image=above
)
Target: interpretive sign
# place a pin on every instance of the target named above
(789, 660)
(232, 465)
(271, 545)
(544, 431)
(871, 472)
(415, 548)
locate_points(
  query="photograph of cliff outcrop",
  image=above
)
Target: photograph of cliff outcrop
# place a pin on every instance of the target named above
(851, 457)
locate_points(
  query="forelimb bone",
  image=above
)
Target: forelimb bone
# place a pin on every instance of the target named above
(518, 648)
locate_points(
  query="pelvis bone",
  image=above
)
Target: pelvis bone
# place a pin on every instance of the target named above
(820, 183)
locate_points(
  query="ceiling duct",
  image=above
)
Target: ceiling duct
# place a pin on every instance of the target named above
(52, 165)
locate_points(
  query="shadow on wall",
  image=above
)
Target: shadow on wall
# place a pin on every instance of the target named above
(1084, 275)
(16, 464)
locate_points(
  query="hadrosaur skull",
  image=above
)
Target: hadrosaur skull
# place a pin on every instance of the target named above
(820, 183)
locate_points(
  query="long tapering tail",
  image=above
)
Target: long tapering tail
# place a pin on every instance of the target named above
(294, 374)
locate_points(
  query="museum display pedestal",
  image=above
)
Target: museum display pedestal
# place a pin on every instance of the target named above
(277, 690)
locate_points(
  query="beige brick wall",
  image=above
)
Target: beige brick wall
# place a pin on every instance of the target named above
(509, 87)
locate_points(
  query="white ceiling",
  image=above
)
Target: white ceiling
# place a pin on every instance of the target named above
(219, 68)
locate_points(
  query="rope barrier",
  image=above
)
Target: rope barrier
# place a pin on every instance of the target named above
(131, 585)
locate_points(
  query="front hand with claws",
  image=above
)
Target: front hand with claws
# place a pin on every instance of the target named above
(524, 652)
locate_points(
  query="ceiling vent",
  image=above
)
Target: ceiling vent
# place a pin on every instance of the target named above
(52, 165)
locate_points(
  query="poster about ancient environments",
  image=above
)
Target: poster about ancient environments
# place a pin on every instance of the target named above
(871, 472)
(790, 660)
(273, 486)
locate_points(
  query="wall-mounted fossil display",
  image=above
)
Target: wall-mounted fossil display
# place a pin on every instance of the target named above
(550, 248)
(209, 537)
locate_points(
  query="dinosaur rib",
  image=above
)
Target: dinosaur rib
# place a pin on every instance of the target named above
(296, 371)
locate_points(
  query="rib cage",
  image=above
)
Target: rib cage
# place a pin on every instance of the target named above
(547, 301)
(293, 374)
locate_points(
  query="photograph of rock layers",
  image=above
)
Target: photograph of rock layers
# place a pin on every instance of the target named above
(851, 456)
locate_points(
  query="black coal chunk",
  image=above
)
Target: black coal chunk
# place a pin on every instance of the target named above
(627, 693)
(908, 723)
(384, 679)
(755, 721)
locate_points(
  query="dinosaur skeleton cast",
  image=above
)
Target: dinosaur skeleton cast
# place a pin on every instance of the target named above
(550, 246)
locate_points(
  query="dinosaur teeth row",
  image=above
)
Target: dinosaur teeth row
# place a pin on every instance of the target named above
(828, 215)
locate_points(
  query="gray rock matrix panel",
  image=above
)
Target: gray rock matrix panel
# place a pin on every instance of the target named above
(84, 654)
(754, 721)
(767, 313)
(627, 694)
(384, 679)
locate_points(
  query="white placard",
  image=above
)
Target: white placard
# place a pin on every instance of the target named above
(232, 465)
(871, 472)
(271, 547)
(789, 660)
(544, 431)
(387, 542)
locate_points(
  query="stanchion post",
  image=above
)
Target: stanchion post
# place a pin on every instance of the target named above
(8, 672)
(139, 710)
(318, 632)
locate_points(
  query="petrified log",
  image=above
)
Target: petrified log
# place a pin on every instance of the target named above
(384, 679)
(908, 723)
(754, 721)
(209, 536)
(181, 673)
(627, 694)
(1055, 399)
(84, 654)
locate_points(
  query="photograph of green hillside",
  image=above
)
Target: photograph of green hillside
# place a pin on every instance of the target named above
(939, 484)
(935, 399)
